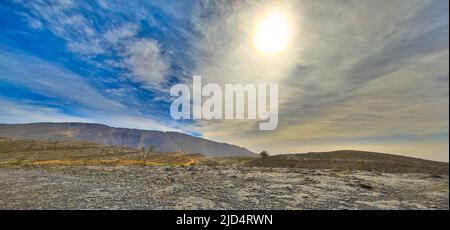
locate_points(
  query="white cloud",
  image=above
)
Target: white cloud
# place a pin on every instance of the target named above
(118, 34)
(33, 22)
(51, 81)
(105, 4)
(20, 112)
(24, 113)
(92, 47)
(135, 122)
(144, 60)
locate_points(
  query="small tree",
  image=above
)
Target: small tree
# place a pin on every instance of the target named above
(143, 156)
(145, 152)
(151, 149)
(264, 154)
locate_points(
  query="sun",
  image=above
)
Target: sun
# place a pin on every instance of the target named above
(272, 33)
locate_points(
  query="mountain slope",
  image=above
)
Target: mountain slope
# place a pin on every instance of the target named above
(353, 160)
(162, 141)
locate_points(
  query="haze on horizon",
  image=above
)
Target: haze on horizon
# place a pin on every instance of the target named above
(364, 75)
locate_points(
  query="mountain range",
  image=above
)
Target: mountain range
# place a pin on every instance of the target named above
(134, 138)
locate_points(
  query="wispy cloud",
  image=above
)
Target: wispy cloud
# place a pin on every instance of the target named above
(145, 62)
(20, 112)
(14, 112)
(52, 81)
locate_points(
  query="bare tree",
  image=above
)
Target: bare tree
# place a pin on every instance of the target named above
(143, 155)
(264, 154)
(146, 152)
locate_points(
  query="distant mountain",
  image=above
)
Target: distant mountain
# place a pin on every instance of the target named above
(162, 141)
(352, 160)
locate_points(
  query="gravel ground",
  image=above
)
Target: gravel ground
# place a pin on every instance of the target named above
(201, 187)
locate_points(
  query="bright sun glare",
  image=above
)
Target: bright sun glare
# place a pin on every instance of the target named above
(272, 33)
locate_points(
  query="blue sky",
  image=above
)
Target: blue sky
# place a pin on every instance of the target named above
(358, 74)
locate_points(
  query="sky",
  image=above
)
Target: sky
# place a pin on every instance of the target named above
(356, 74)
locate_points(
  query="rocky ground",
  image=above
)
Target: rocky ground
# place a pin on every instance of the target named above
(203, 187)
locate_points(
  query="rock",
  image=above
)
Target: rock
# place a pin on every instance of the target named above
(365, 186)
(436, 176)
